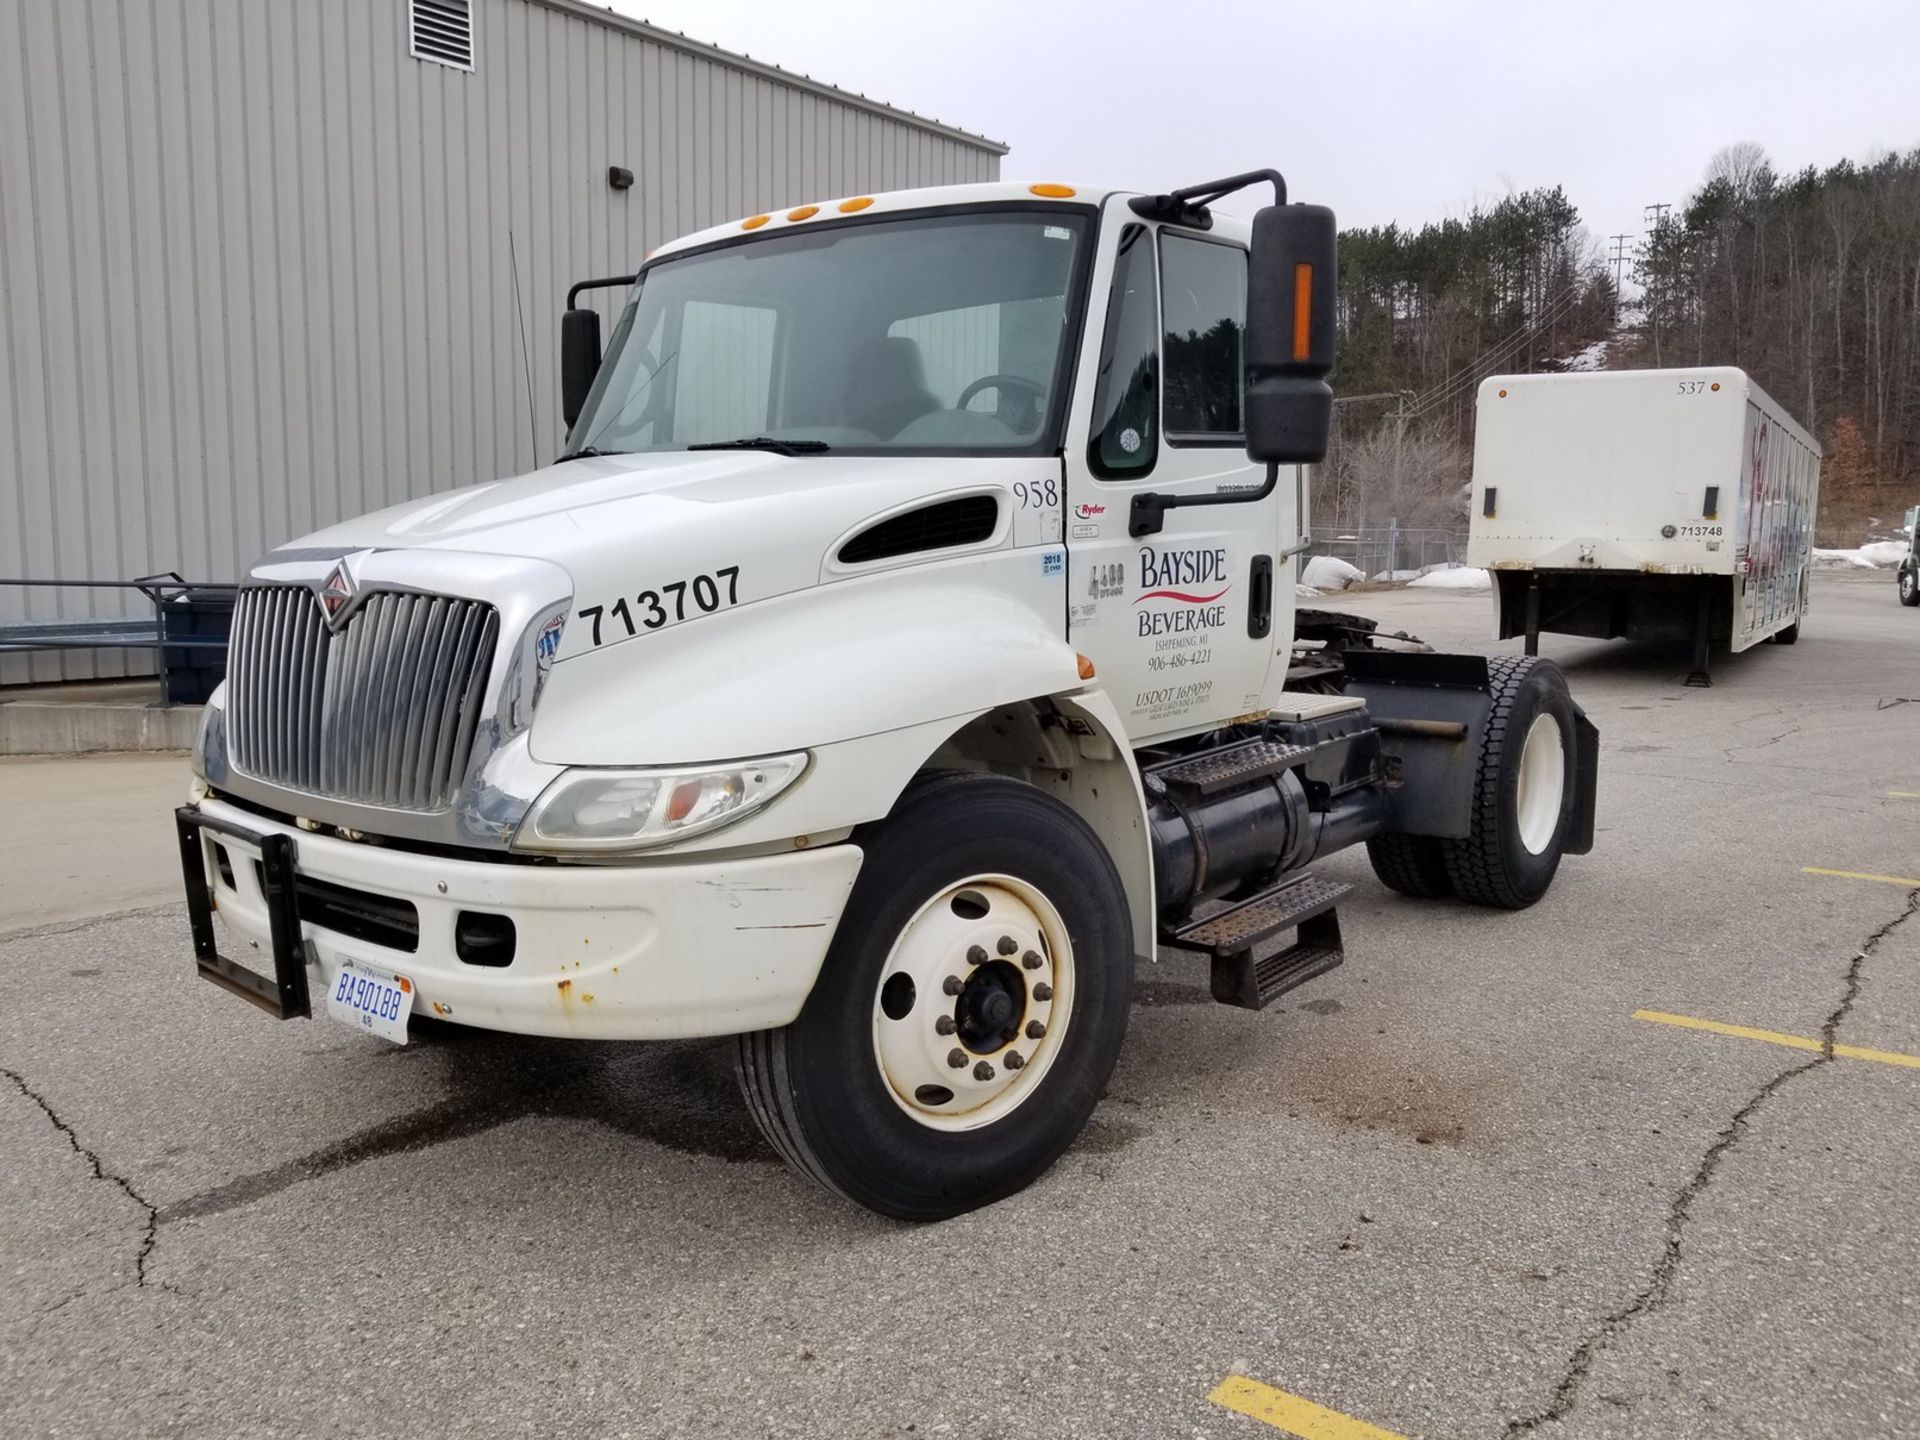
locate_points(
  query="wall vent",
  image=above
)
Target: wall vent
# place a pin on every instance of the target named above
(969, 520)
(442, 31)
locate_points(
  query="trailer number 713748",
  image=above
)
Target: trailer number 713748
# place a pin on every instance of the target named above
(719, 590)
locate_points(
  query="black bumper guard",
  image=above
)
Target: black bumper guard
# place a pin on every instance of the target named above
(284, 993)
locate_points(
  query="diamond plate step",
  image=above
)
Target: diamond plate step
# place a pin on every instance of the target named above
(1302, 902)
(1219, 770)
(1246, 924)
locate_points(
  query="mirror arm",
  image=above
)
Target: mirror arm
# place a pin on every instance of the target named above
(573, 295)
(1148, 511)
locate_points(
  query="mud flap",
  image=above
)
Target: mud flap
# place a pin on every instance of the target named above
(1586, 783)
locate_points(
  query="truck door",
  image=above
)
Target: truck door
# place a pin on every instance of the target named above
(1179, 623)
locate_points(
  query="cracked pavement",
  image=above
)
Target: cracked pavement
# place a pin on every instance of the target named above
(1453, 1189)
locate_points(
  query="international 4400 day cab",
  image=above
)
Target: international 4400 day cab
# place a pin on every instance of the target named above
(893, 660)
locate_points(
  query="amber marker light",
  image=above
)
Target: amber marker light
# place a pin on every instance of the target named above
(1716, 385)
(859, 202)
(803, 212)
(1052, 192)
(754, 222)
(1503, 394)
(1086, 667)
(1302, 311)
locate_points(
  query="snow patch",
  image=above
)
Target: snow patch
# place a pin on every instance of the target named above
(1399, 574)
(1462, 577)
(1329, 572)
(1876, 555)
(1594, 357)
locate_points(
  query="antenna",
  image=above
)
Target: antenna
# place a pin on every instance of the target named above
(526, 355)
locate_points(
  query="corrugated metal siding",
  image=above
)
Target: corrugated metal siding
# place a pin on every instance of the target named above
(258, 264)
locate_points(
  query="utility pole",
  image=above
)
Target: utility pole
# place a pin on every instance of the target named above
(1656, 217)
(1619, 270)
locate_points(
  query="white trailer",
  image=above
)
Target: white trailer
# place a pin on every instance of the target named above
(1645, 504)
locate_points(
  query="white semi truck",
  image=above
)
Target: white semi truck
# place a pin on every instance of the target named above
(1650, 504)
(892, 660)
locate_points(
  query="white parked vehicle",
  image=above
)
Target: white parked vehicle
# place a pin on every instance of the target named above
(893, 660)
(1673, 504)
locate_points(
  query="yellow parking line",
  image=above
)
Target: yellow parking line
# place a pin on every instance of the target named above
(1291, 1414)
(1906, 880)
(1905, 794)
(1774, 1037)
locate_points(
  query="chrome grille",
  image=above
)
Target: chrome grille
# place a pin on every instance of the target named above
(380, 712)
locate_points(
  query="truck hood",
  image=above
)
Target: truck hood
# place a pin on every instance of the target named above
(633, 526)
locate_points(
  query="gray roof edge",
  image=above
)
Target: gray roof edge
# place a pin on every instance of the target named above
(673, 39)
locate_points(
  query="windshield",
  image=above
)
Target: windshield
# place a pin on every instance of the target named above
(933, 333)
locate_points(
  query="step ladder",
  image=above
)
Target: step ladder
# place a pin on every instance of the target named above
(1301, 903)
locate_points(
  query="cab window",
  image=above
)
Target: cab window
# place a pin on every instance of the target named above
(1126, 404)
(1204, 297)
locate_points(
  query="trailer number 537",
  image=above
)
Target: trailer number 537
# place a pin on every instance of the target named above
(664, 606)
(1692, 387)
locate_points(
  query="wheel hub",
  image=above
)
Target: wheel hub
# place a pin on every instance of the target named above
(972, 1002)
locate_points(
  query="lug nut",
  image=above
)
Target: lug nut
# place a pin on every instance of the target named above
(1014, 1060)
(1043, 991)
(1032, 960)
(944, 1025)
(953, 985)
(976, 956)
(1007, 945)
(982, 1071)
(957, 1058)
(1035, 1030)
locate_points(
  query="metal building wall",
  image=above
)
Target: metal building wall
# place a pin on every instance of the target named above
(258, 265)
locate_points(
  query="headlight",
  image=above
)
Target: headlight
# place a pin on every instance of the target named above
(614, 810)
(209, 753)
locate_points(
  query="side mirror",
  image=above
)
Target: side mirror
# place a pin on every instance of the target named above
(579, 360)
(1291, 276)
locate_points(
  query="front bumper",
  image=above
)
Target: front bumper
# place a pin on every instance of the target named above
(650, 951)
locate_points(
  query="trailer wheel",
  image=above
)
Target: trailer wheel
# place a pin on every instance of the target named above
(1787, 634)
(969, 1011)
(1411, 864)
(1909, 588)
(1524, 790)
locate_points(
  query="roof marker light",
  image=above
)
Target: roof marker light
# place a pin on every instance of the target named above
(859, 202)
(754, 222)
(1052, 192)
(803, 212)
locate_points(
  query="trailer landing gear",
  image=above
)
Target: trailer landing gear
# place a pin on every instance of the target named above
(1702, 630)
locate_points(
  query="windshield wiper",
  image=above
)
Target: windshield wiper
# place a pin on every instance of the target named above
(767, 442)
(585, 452)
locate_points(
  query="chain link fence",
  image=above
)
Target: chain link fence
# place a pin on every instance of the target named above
(1379, 550)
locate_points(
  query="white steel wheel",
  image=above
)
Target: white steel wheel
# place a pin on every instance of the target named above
(988, 922)
(1543, 783)
(974, 1002)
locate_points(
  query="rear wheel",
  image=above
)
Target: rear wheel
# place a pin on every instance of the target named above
(969, 1012)
(1787, 634)
(1523, 792)
(1411, 864)
(1909, 586)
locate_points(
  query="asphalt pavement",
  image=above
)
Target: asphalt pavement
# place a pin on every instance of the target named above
(1497, 1175)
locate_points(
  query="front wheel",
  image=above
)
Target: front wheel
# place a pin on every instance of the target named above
(1524, 788)
(969, 1011)
(1910, 586)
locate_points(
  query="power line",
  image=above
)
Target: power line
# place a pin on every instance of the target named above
(1488, 360)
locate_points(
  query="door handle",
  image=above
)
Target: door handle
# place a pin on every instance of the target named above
(1260, 598)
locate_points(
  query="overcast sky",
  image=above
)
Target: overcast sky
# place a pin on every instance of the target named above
(1386, 111)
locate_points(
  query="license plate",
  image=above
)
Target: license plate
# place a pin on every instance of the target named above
(371, 999)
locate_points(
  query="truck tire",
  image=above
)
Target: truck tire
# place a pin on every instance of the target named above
(1909, 588)
(1411, 864)
(969, 1011)
(1787, 634)
(1523, 788)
